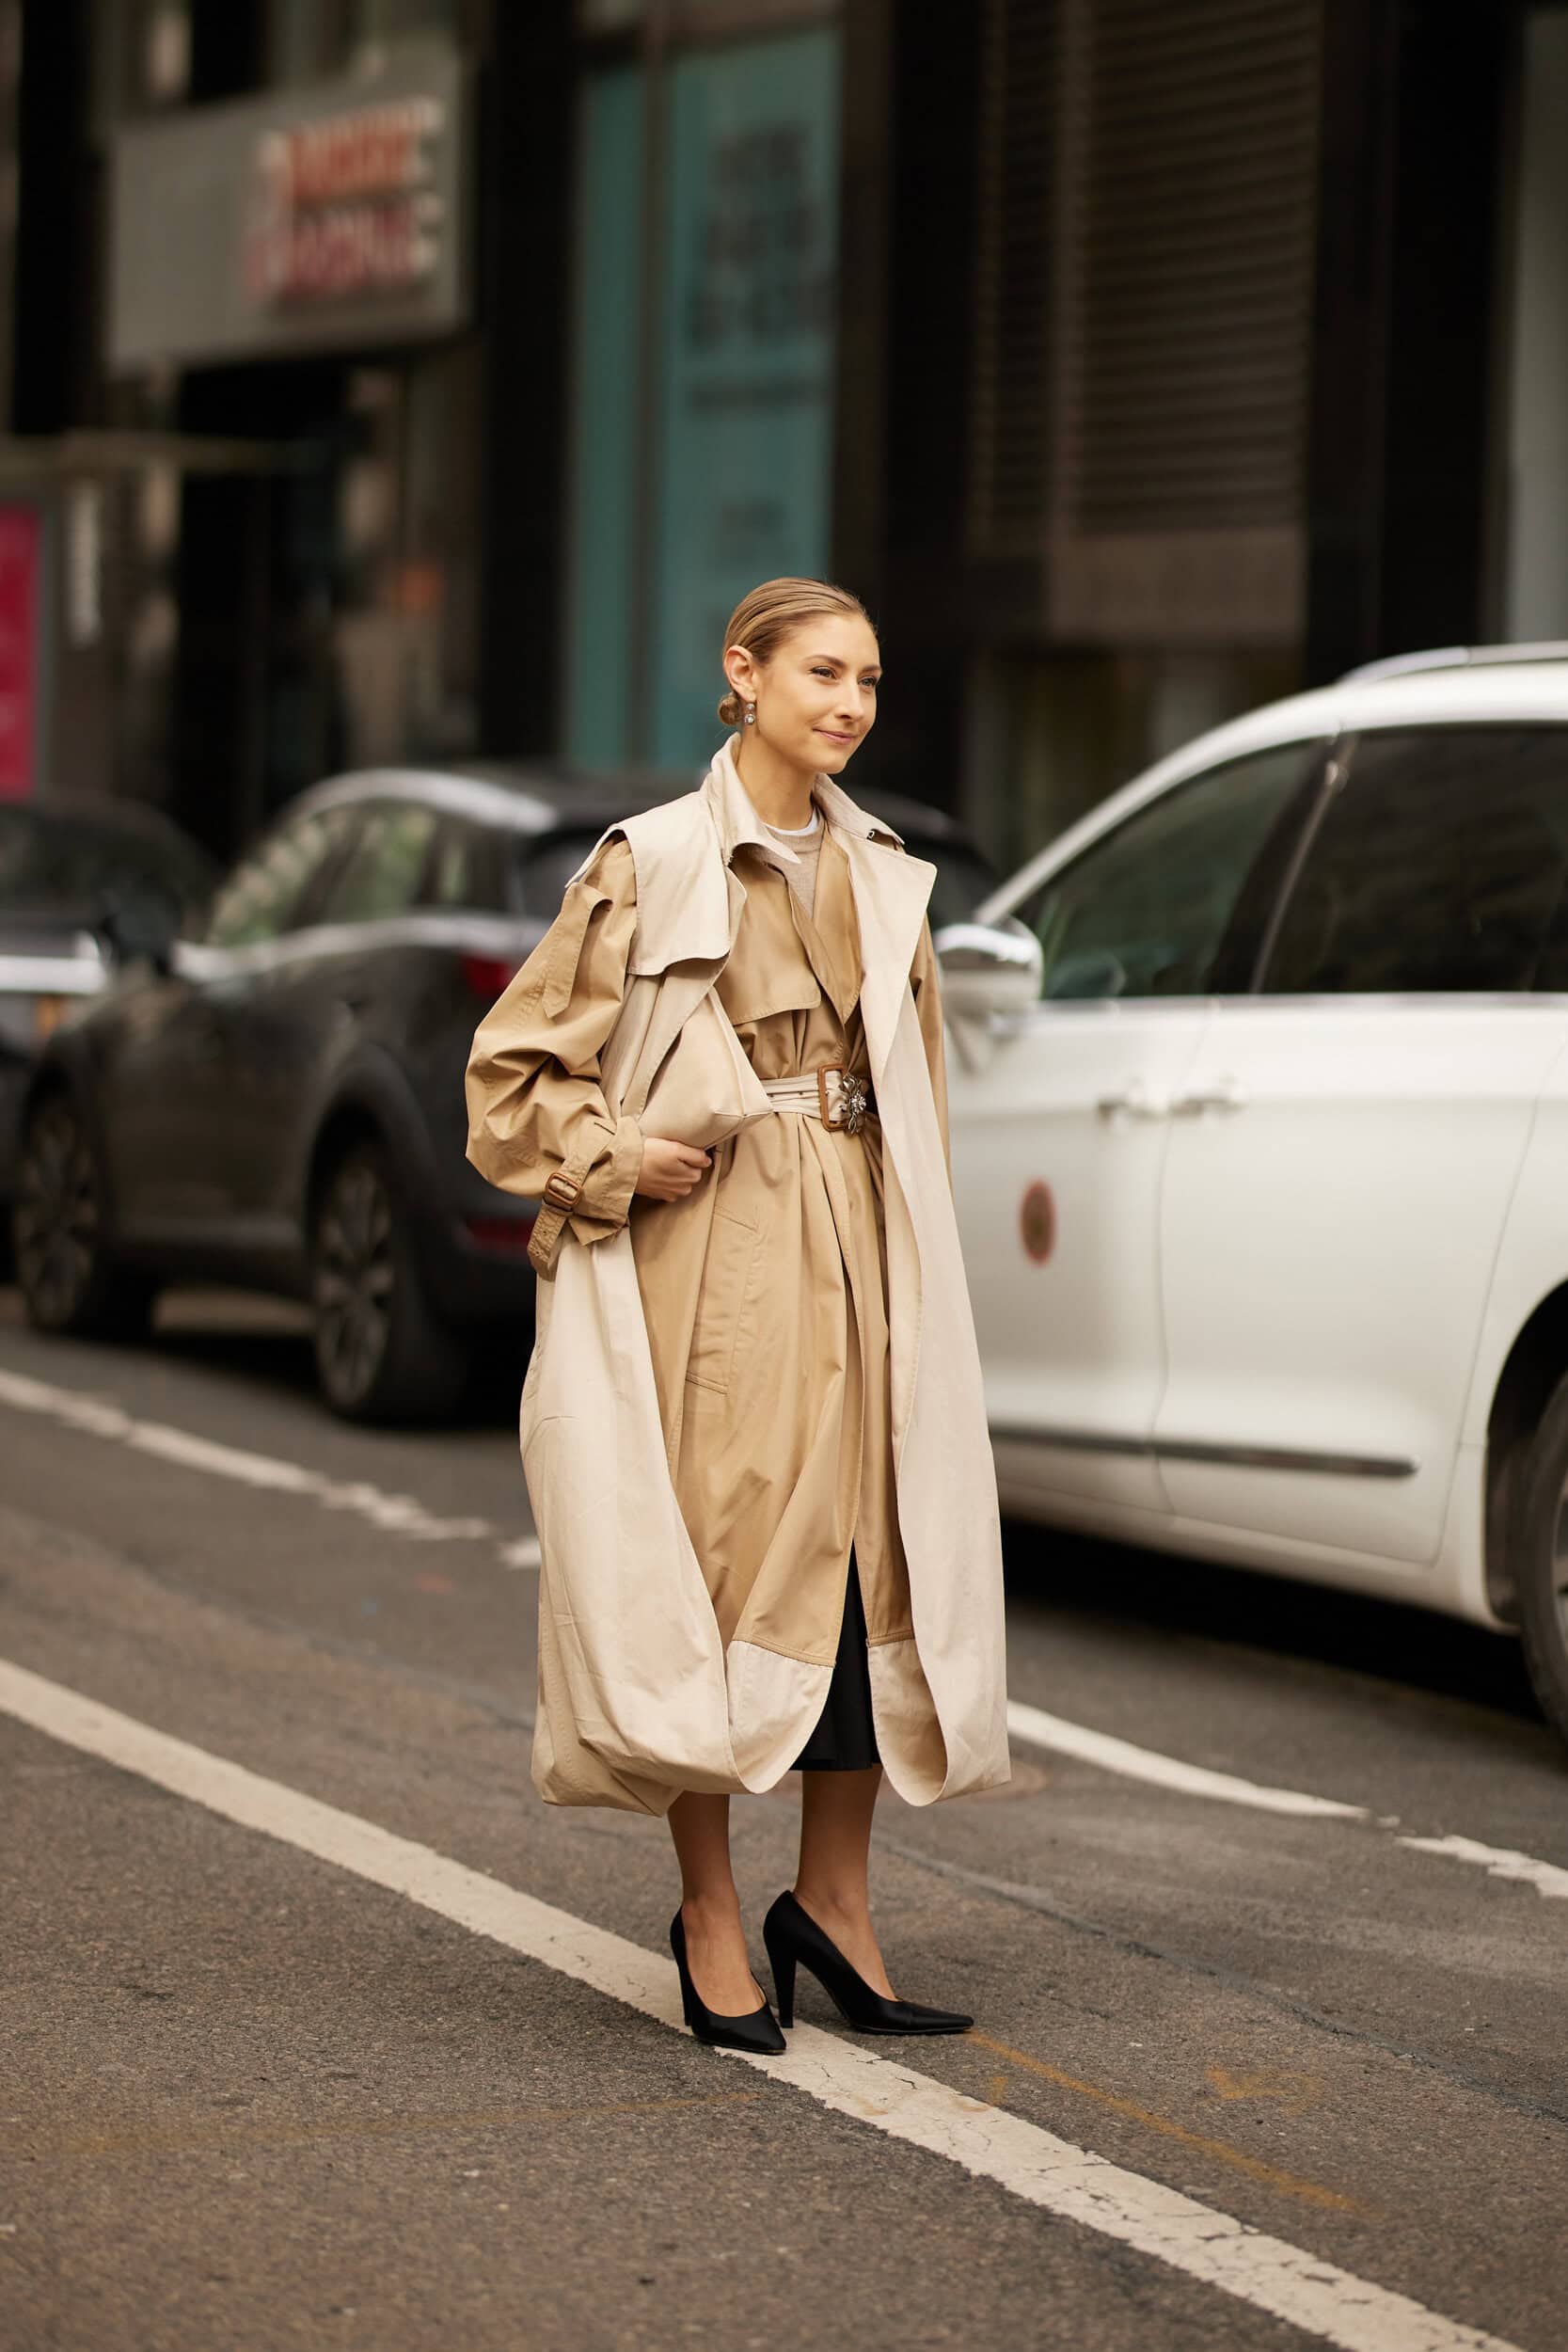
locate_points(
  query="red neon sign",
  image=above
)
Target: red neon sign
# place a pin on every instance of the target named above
(345, 206)
(21, 543)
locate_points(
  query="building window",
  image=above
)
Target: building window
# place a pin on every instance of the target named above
(1535, 565)
(714, 316)
(313, 40)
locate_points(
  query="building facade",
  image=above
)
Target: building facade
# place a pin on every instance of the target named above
(1266, 378)
(272, 451)
(412, 378)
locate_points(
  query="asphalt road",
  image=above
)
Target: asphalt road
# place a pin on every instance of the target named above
(269, 2081)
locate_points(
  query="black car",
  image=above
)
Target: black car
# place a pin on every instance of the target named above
(276, 1098)
(83, 884)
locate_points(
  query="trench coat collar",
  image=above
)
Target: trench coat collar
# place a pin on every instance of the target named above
(891, 892)
(689, 908)
(738, 823)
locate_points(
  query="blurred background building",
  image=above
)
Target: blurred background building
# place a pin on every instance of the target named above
(389, 380)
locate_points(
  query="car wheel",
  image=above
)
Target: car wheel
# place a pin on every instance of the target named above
(382, 1352)
(1540, 1545)
(69, 1283)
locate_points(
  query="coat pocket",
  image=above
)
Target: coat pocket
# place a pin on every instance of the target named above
(724, 1300)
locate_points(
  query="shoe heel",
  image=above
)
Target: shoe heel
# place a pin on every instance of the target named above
(781, 1962)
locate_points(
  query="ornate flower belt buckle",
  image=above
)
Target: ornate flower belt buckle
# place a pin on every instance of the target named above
(854, 1098)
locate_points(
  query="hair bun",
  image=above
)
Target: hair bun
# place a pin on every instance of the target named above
(729, 709)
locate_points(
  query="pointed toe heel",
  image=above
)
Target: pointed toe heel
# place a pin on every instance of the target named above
(793, 1936)
(756, 2032)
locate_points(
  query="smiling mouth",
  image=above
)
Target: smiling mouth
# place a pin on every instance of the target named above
(835, 735)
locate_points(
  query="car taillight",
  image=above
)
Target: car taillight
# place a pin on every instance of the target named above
(508, 1235)
(487, 975)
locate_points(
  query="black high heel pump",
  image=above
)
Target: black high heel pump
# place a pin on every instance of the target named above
(791, 1935)
(757, 2031)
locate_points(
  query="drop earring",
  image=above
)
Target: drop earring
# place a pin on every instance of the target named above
(751, 714)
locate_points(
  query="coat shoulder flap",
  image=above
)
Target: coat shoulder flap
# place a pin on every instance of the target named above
(683, 901)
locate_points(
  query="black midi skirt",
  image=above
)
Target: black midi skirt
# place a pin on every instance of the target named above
(845, 1739)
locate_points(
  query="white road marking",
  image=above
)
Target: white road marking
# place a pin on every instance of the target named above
(1037, 1729)
(1498, 1861)
(401, 1515)
(524, 1553)
(394, 1513)
(1029, 2163)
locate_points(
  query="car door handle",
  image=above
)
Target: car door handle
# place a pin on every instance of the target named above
(1137, 1101)
(1223, 1094)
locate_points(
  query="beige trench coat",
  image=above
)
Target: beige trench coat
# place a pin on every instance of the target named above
(728, 1390)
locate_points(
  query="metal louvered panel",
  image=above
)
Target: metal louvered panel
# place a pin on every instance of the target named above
(1184, 366)
(1144, 310)
(1010, 450)
(1183, 323)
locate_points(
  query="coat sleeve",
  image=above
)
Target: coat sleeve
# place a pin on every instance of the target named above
(536, 1106)
(927, 984)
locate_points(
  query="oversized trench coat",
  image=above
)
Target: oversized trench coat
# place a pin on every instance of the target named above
(728, 1390)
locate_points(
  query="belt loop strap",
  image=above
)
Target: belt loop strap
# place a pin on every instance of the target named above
(563, 1191)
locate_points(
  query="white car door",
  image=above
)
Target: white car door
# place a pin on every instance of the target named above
(1341, 1164)
(1060, 1121)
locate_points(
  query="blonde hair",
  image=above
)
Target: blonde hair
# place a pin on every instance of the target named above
(762, 621)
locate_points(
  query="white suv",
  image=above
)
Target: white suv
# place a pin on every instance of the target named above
(1260, 1107)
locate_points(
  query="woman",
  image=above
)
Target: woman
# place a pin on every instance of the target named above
(753, 1426)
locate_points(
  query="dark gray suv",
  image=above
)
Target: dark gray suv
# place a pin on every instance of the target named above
(275, 1099)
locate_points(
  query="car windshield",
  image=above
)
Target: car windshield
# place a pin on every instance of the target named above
(52, 861)
(541, 870)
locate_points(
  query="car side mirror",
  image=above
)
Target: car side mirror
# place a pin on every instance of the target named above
(140, 924)
(988, 968)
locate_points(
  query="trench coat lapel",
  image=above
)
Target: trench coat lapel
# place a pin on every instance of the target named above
(892, 892)
(830, 932)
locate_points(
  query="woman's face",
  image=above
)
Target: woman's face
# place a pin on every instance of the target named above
(816, 698)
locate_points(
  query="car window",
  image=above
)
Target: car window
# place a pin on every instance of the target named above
(383, 871)
(1145, 910)
(266, 893)
(543, 864)
(1439, 865)
(459, 871)
(467, 869)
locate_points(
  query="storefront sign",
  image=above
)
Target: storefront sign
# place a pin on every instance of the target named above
(328, 217)
(748, 354)
(346, 206)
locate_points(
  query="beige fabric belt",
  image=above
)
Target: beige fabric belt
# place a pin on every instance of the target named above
(838, 1097)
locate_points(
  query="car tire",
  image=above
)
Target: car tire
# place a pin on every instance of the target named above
(1541, 1559)
(70, 1282)
(383, 1353)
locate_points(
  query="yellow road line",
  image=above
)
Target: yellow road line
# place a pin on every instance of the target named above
(1290, 2183)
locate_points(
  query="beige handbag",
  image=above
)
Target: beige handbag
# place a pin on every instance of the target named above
(705, 1089)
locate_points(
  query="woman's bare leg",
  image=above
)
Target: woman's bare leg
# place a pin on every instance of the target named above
(836, 1846)
(710, 1908)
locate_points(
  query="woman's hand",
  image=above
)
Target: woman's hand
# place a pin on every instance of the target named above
(670, 1171)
